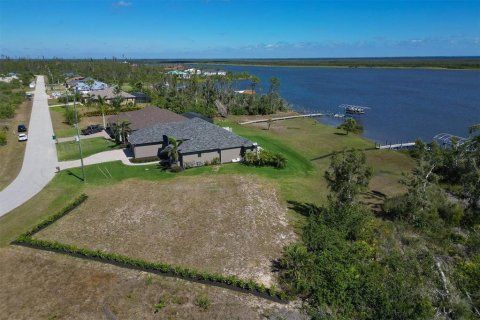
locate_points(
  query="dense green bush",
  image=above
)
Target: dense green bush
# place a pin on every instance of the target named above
(10, 98)
(144, 160)
(3, 138)
(341, 273)
(264, 158)
(71, 117)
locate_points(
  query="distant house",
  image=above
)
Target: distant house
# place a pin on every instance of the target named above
(211, 72)
(193, 71)
(181, 74)
(146, 117)
(71, 82)
(89, 84)
(109, 94)
(201, 141)
(140, 97)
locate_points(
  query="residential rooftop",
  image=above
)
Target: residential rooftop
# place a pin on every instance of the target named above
(146, 117)
(109, 93)
(197, 135)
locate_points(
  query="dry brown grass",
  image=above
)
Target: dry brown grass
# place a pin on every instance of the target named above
(11, 155)
(41, 285)
(228, 224)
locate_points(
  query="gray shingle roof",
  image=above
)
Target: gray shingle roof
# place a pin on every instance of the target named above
(109, 93)
(197, 135)
(146, 117)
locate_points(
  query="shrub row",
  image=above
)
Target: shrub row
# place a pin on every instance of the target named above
(144, 160)
(109, 112)
(233, 281)
(51, 219)
(182, 272)
(264, 157)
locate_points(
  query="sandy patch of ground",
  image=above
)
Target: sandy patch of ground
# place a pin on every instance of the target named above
(222, 224)
(44, 285)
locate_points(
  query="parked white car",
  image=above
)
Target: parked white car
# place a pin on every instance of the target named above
(22, 137)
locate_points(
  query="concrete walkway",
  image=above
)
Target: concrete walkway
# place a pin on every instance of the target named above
(107, 156)
(40, 155)
(63, 104)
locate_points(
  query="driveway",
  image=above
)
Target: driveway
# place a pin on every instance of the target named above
(107, 156)
(40, 155)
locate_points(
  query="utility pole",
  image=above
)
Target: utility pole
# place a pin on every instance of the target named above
(78, 133)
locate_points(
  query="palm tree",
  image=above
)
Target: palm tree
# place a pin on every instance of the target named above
(254, 82)
(117, 103)
(121, 131)
(173, 151)
(125, 130)
(117, 90)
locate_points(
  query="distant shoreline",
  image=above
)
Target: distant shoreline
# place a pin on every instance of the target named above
(335, 66)
(436, 63)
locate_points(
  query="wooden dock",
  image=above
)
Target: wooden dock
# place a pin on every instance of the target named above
(285, 118)
(396, 146)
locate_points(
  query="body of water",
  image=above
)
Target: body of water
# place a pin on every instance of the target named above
(405, 103)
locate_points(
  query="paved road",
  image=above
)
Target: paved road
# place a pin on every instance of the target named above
(40, 156)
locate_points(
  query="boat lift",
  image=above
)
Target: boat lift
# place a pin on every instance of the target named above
(352, 109)
(449, 140)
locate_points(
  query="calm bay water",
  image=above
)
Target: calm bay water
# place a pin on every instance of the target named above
(405, 103)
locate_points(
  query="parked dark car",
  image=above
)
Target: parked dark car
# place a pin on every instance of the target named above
(21, 128)
(94, 128)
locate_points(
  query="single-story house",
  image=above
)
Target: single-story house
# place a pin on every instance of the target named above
(109, 94)
(200, 141)
(145, 117)
(71, 82)
(89, 84)
(141, 97)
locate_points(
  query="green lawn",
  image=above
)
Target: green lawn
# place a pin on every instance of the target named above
(69, 150)
(306, 144)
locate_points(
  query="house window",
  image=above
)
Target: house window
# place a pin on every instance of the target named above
(199, 154)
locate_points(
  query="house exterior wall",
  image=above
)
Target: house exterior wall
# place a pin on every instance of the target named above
(229, 154)
(198, 159)
(146, 151)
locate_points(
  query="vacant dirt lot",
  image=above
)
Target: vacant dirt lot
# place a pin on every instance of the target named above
(44, 285)
(11, 155)
(223, 224)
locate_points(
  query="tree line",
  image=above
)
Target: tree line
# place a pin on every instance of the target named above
(198, 94)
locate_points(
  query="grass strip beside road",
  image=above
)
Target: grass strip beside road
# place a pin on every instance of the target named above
(69, 150)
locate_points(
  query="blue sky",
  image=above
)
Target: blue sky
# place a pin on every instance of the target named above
(238, 29)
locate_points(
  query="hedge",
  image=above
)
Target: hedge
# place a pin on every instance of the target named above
(182, 272)
(51, 219)
(108, 112)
